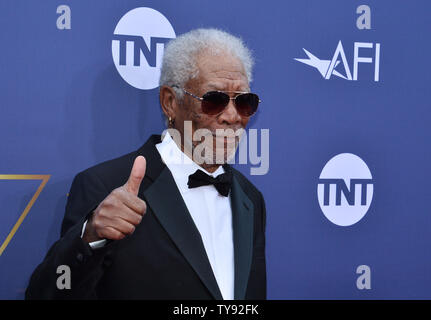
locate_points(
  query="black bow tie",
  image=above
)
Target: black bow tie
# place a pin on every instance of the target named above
(222, 182)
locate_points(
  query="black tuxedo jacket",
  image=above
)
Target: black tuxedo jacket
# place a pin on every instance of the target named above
(164, 258)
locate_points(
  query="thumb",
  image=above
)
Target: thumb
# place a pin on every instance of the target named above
(136, 175)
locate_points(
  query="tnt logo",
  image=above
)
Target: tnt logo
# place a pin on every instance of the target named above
(328, 68)
(138, 44)
(345, 189)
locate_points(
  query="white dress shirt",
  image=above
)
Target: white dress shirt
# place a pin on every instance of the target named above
(211, 213)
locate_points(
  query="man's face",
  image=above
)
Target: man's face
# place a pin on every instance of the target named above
(221, 72)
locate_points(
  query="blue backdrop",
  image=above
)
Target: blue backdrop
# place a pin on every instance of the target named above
(61, 100)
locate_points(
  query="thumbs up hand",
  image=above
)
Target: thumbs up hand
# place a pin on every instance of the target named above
(121, 211)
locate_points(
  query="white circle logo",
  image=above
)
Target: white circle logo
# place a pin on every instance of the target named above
(345, 189)
(137, 46)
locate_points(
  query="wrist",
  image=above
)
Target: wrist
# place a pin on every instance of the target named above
(90, 234)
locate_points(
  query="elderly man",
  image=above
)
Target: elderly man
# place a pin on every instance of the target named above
(154, 224)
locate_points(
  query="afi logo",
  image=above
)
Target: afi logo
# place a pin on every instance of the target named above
(327, 68)
(138, 45)
(345, 189)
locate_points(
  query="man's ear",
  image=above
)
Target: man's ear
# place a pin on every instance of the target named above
(168, 101)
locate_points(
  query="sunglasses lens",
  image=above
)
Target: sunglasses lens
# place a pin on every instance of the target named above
(214, 102)
(246, 104)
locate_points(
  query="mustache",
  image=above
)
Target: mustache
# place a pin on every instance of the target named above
(227, 133)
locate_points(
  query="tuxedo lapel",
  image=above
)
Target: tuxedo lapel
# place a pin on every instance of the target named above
(242, 222)
(165, 200)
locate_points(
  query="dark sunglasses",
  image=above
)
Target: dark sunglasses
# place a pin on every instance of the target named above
(214, 102)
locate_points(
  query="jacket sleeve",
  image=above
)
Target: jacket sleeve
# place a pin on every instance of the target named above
(86, 265)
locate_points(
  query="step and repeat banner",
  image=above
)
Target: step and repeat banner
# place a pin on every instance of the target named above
(345, 117)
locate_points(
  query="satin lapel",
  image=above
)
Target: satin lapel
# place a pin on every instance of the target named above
(165, 200)
(242, 222)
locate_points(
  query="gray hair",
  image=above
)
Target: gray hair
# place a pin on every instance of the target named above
(179, 58)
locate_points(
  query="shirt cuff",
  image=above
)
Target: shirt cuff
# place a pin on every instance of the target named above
(95, 244)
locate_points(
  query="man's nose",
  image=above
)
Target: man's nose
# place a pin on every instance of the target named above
(230, 114)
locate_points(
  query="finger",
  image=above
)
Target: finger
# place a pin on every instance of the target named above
(122, 225)
(134, 203)
(136, 175)
(130, 216)
(111, 233)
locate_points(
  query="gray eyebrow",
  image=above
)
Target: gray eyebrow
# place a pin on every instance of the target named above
(214, 86)
(217, 88)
